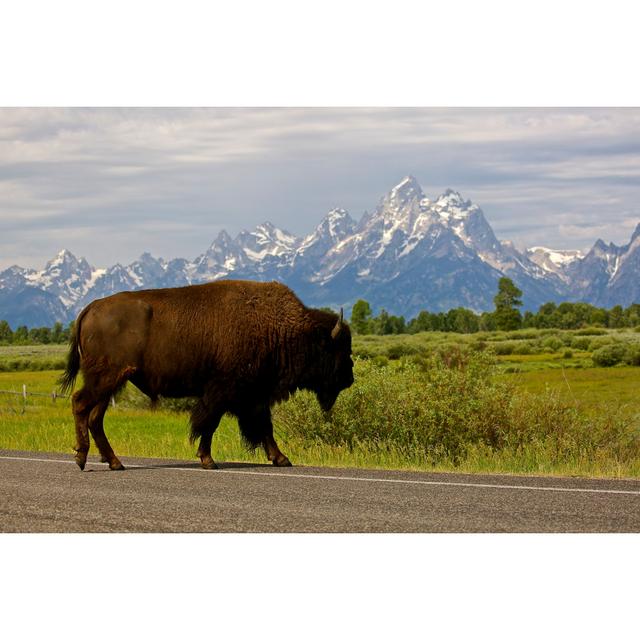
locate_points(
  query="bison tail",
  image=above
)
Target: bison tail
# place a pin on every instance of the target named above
(68, 378)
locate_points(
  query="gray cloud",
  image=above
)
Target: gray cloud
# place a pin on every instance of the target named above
(111, 183)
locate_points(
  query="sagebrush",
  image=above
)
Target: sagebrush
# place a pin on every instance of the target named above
(443, 410)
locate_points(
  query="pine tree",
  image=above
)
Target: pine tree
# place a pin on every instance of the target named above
(5, 332)
(507, 316)
(361, 317)
(616, 317)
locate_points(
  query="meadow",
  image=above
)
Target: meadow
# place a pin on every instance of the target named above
(530, 401)
(38, 357)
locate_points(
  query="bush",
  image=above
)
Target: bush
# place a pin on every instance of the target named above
(566, 338)
(439, 410)
(503, 348)
(580, 343)
(400, 349)
(363, 352)
(26, 364)
(522, 334)
(603, 341)
(632, 355)
(523, 349)
(609, 355)
(591, 331)
(452, 356)
(177, 404)
(444, 414)
(568, 353)
(552, 344)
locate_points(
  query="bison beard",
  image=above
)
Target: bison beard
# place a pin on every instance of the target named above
(237, 346)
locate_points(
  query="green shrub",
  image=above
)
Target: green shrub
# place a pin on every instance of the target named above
(543, 333)
(503, 348)
(602, 341)
(523, 349)
(522, 334)
(27, 364)
(177, 404)
(398, 350)
(580, 343)
(609, 355)
(566, 338)
(591, 331)
(439, 410)
(444, 414)
(363, 352)
(632, 355)
(567, 354)
(552, 344)
(453, 356)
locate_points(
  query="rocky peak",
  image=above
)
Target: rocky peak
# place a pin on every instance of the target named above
(452, 205)
(337, 224)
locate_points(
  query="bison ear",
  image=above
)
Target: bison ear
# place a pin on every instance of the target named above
(335, 332)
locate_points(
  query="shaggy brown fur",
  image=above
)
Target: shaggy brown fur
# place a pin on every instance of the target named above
(238, 346)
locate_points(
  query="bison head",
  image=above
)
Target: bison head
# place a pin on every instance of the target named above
(337, 372)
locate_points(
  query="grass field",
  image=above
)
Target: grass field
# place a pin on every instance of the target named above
(39, 424)
(584, 418)
(594, 389)
(33, 357)
(381, 398)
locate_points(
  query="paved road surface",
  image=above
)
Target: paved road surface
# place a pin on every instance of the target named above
(47, 492)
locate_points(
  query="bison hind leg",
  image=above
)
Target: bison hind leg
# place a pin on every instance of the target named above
(89, 406)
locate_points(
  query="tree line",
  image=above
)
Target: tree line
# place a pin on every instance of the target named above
(58, 334)
(506, 316)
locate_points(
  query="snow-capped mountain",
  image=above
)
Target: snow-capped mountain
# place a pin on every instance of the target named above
(554, 260)
(410, 253)
(608, 274)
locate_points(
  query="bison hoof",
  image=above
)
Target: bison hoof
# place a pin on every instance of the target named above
(209, 465)
(282, 462)
(116, 465)
(81, 464)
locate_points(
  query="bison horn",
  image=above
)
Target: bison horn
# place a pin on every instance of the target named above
(336, 330)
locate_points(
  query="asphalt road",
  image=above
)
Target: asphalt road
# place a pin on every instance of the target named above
(47, 492)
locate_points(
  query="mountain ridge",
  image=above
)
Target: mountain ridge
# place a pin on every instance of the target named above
(410, 253)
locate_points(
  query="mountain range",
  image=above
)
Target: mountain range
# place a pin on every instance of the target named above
(410, 253)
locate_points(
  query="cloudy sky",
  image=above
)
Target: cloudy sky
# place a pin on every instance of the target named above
(109, 184)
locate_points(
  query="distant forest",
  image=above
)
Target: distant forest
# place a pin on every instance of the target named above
(506, 316)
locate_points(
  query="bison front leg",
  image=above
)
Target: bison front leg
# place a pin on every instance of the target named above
(274, 454)
(270, 446)
(204, 452)
(257, 429)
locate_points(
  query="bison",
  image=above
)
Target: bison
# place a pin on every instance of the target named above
(237, 346)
